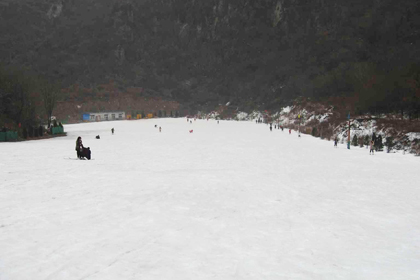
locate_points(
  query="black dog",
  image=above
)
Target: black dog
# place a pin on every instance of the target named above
(85, 153)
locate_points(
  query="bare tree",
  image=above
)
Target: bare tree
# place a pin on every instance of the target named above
(49, 92)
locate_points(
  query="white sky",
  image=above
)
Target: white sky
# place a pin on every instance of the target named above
(229, 201)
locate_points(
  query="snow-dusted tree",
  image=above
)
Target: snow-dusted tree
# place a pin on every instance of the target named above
(354, 141)
(366, 140)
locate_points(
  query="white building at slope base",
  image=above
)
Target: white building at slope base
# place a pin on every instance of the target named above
(103, 116)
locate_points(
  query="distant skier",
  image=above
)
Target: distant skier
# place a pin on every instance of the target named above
(290, 131)
(160, 129)
(271, 127)
(335, 142)
(372, 144)
(112, 130)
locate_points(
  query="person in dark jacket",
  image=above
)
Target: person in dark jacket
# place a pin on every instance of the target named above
(79, 146)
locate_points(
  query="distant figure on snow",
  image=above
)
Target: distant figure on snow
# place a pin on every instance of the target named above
(372, 144)
(98, 137)
(156, 125)
(290, 131)
(191, 131)
(217, 122)
(112, 130)
(335, 142)
(160, 129)
(271, 127)
(190, 121)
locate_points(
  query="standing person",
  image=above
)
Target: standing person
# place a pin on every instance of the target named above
(112, 130)
(290, 131)
(217, 122)
(335, 142)
(372, 144)
(271, 127)
(79, 146)
(160, 129)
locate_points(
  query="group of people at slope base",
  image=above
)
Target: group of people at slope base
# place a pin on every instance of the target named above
(371, 145)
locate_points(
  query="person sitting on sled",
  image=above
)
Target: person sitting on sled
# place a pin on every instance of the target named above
(79, 146)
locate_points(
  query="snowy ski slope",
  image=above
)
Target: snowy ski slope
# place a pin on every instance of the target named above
(229, 201)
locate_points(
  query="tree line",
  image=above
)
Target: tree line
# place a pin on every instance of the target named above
(26, 100)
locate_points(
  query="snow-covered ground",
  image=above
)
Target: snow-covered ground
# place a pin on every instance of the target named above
(229, 201)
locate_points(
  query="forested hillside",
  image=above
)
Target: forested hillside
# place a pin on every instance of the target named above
(200, 53)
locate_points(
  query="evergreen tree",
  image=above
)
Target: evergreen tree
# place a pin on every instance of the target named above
(389, 143)
(354, 141)
(361, 141)
(366, 140)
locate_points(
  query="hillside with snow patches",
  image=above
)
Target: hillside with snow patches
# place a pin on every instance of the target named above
(313, 121)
